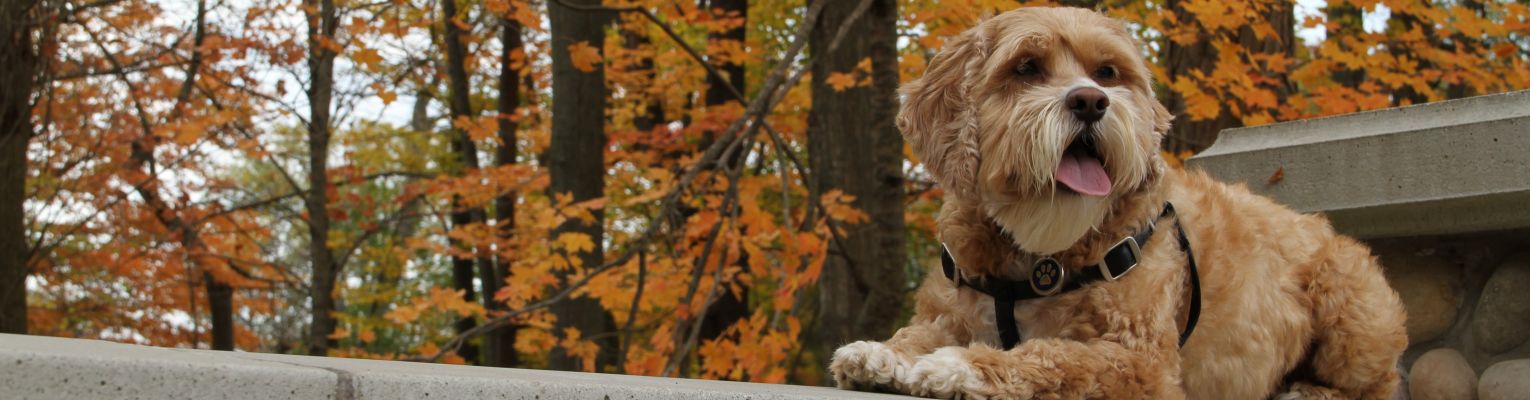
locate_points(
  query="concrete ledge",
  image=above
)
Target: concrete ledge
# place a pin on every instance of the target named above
(35, 367)
(1457, 166)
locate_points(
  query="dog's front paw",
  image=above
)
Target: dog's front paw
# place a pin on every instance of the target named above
(866, 365)
(947, 373)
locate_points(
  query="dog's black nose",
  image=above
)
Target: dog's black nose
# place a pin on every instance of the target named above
(1087, 104)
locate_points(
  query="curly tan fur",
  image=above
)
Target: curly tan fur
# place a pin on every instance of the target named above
(1280, 289)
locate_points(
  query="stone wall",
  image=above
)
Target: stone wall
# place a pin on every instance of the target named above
(1468, 300)
(1441, 192)
(1467, 292)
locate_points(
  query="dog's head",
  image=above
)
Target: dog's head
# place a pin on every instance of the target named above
(1043, 118)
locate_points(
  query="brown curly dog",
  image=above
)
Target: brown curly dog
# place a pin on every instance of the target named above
(1042, 126)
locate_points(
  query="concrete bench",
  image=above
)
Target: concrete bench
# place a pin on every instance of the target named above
(36, 367)
(1457, 166)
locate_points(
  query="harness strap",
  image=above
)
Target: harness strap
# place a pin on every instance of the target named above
(1004, 316)
(1195, 278)
(1119, 260)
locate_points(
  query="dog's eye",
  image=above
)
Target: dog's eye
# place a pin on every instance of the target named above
(1105, 72)
(1027, 69)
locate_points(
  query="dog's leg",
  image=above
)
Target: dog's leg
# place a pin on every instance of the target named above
(880, 365)
(1048, 368)
(1358, 324)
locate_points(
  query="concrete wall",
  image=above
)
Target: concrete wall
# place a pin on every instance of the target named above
(35, 367)
(1441, 193)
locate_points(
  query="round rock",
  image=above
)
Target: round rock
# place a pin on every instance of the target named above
(1508, 380)
(1430, 289)
(1442, 374)
(1502, 319)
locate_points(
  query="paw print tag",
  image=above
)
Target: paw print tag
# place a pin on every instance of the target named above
(1047, 276)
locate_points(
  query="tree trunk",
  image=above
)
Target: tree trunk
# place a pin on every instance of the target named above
(321, 70)
(500, 343)
(1460, 39)
(652, 113)
(18, 75)
(1351, 23)
(220, 296)
(220, 304)
(1183, 60)
(467, 155)
(854, 147)
(728, 308)
(1089, 4)
(576, 162)
(1400, 23)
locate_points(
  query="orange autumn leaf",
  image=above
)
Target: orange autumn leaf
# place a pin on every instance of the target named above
(838, 206)
(367, 57)
(583, 56)
(840, 81)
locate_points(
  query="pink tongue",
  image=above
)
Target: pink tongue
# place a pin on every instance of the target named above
(1084, 174)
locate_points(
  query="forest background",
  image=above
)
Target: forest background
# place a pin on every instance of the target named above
(696, 188)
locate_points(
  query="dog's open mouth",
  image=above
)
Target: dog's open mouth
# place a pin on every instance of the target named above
(1081, 170)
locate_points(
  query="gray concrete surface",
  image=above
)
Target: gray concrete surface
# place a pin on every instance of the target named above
(1451, 167)
(35, 367)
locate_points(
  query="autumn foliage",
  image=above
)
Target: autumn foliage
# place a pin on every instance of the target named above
(168, 163)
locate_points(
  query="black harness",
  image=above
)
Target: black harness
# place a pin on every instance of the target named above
(1049, 278)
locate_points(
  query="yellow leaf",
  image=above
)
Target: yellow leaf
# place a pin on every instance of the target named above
(584, 56)
(838, 206)
(403, 314)
(367, 57)
(1199, 105)
(477, 129)
(575, 242)
(840, 81)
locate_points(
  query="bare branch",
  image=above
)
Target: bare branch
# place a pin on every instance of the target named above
(637, 298)
(90, 73)
(301, 192)
(731, 209)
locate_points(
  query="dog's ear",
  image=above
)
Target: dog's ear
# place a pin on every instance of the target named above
(937, 118)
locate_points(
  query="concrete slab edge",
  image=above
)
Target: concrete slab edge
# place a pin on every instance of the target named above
(34, 367)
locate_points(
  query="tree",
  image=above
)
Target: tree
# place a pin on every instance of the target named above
(853, 146)
(730, 307)
(1348, 21)
(323, 23)
(1191, 57)
(500, 344)
(466, 153)
(18, 75)
(576, 161)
